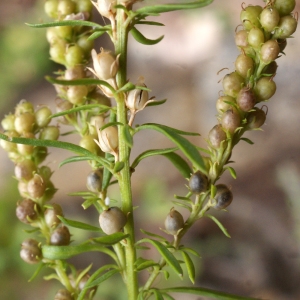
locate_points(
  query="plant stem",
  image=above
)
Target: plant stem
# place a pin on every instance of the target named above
(124, 152)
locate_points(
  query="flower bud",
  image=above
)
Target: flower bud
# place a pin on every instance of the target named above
(105, 64)
(42, 116)
(286, 27)
(84, 6)
(25, 169)
(24, 122)
(246, 99)
(77, 94)
(94, 181)
(60, 236)
(112, 220)
(74, 56)
(50, 8)
(174, 222)
(36, 186)
(223, 196)
(9, 146)
(87, 142)
(51, 214)
(24, 107)
(85, 44)
(26, 211)
(30, 251)
(265, 88)
(57, 50)
(231, 120)
(8, 123)
(63, 294)
(198, 182)
(216, 136)
(232, 83)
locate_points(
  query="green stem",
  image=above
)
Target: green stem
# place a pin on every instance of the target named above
(124, 152)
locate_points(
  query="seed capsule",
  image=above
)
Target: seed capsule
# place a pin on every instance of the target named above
(49, 133)
(244, 65)
(231, 120)
(25, 169)
(42, 116)
(232, 83)
(256, 118)
(246, 99)
(76, 94)
(269, 51)
(285, 7)
(216, 136)
(36, 186)
(63, 295)
(286, 27)
(87, 142)
(8, 123)
(30, 251)
(198, 182)
(256, 37)
(51, 215)
(265, 88)
(108, 139)
(241, 38)
(94, 181)
(24, 122)
(174, 222)
(60, 236)
(250, 16)
(223, 196)
(26, 211)
(74, 56)
(269, 18)
(112, 220)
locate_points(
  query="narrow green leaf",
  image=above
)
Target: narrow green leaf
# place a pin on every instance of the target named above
(247, 140)
(189, 266)
(139, 37)
(153, 235)
(75, 159)
(79, 225)
(87, 203)
(220, 225)
(150, 23)
(156, 102)
(166, 254)
(157, 294)
(187, 148)
(168, 297)
(118, 166)
(95, 35)
(67, 23)
(145, 265)
(102, 278)
(127, 87)
(82, 194)
(181, 204)
(149, 153)
(172, 7)
(231, 171)
(190, 250)
(178, 162)
(111, 239)
(205, 293)
(126, 135)
(36, 272)
(66, 252)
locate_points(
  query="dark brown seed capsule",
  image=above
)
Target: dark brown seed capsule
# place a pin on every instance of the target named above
(94, 181)
(231, 120)
(246, 99)
(256, 118)
(30, 251)
(60, 236)
(216, 136)
(198, 182)
(223, 196)
(63, 295)
(270, 68)
(26, 211)
(112, 220)
(174, 222)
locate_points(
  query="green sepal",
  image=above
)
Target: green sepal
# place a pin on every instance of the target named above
(142, 264)
(166, 254)
(139, 37)
(187, 148)
(126, 135)
(231, 171)
(127, 87)
(247, 140)
(189, 266)
(68, 23)
(157, 9)
(109, 240)
(119, 165)
(88, 202)
(205, 293)
(157, 294)
(79, 225)
(36, 272)
(220, 225)
(181, 204)
(95, 35)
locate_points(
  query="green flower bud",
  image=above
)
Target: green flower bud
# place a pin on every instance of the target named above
(84, 6)
(30, 251)
(8, 123)
(9, 146)
(85, 44)
(224, 103)
(24, 107)
(77, 94)
(244, 65)
(286, 27)
(24, 122)
(174, 222)
(269, 18)
(66, 7)
(42, 116)
(87, 142)
(285, 7)
(74, 56)
(265, 88)
(49, 133)
(50, 8)
(112, 220)
(26, 149)
(57, 50)
(256, 37)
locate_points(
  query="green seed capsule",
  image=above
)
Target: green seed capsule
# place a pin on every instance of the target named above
(42, 116)
(232, 83)
(244, 65)
(224, 103)
(8, 123)
(50, 8)
(66, 7)
(285, 7)
(216, 136)
(24, 122)
(24, 107)
(250, 16)
(49, 133)
(9, 146)
(265, 88)
(269, 18)
(87, 142)
(241, 38)
(198, 182)
(63, 295)
(174, 222)
(286, 27)
(112, 220)
(256, 37)
(223, 196)
(30, 251)
(77, 94)
(74, 56)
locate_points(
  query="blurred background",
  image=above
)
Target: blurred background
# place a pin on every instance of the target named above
(262, 257)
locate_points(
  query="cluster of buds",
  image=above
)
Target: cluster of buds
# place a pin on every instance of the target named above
(262, 39)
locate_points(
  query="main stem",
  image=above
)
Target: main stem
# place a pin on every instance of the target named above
(124, 152)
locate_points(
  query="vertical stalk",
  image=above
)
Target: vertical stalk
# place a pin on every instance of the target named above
(124, 152)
